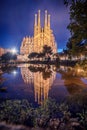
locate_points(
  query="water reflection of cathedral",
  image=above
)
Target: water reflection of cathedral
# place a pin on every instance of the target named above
(27, 75)
(41, 85)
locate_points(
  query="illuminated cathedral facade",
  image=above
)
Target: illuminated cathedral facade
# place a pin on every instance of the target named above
(42, 36)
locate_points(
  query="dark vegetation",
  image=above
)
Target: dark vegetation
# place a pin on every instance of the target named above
(77, 43)
(46, 71)
(67, 115)
(8, 57)
(70, 114)
(46, 56)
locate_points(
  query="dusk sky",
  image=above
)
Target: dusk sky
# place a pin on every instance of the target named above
(17, 20)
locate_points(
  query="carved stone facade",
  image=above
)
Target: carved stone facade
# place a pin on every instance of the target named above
(42, 36)
(27, 45)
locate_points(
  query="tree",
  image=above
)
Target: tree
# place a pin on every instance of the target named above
(56, 57)
(8, 56)
(33, 55)
(77, 26)
(40, 55)
(47, 51)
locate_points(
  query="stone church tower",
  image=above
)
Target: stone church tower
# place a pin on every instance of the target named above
(42, 36)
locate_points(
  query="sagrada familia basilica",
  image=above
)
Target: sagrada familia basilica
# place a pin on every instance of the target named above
(42, 36)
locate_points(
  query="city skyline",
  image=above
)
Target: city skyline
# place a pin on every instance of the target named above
(17, 21)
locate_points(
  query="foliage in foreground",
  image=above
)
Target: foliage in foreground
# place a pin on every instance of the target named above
(22, 112)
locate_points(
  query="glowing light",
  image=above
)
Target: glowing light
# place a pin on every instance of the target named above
(14, 72)
(80, 70)
(14, 51)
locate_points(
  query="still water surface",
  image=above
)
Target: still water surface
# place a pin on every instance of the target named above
(37, 83)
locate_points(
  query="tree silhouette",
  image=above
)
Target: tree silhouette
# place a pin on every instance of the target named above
(8, 56)
(47, 50)
(33, 55)
(77, 26)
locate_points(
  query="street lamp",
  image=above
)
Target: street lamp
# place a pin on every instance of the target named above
(14, 51)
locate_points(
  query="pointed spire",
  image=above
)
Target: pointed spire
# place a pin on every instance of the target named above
(35, 19)
(45, 18)
(49, 20)
(38, 17)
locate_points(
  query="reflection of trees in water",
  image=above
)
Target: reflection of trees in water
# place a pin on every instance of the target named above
(35, 68)
(42, 79)
(46, 74)
(6, 69)
(72, 81)
(9, 69)
(45, 70)
(81, 70)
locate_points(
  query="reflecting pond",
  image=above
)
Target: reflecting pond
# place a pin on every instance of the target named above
(37, 83)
